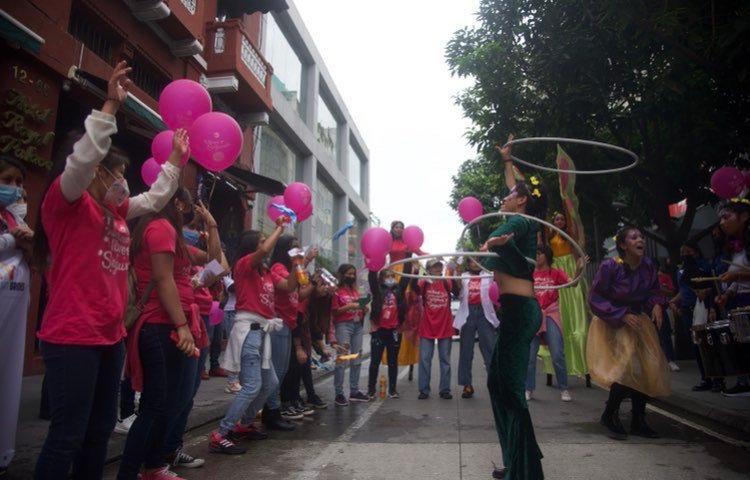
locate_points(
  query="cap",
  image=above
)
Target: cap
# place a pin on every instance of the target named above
(433, 262)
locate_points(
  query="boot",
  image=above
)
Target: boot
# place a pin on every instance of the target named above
(638, 426)
(611, 420)
(272, 420)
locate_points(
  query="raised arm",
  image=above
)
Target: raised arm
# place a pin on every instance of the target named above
(510, 179)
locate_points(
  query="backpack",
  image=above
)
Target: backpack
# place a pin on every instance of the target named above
(134, 305)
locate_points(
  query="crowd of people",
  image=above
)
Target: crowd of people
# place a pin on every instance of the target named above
(132, 282)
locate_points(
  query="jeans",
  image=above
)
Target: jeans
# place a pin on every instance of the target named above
(257, 383)
(216, 335)
(204, 350)
(684, 347)
(554, 339)
(127, 398)
(281, 345)
(383, 339)
(426, 349)
(475, 323)
(82, 384)
(168, 381)
(289, 385)
(349, 332)
(665, 335)
(227, 321)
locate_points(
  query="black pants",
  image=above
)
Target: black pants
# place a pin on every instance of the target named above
(127, 399)
(289, 391)
(383, 339)
(617, 393)
(307, 379)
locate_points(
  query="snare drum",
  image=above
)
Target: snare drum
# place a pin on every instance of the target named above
(739, 324)
(708, 350)
(734, 356)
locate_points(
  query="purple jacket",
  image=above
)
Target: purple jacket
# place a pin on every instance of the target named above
(618, 290)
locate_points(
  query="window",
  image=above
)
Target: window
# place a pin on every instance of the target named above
(276, 161)
(88, 32)
(327, 130)
(354, 253)
(355, 170)
(323, 219)
(287, 67)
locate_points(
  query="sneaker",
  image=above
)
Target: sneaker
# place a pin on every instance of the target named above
(341, 401)
(468, 391)
(704, 386)
(393, 394)
(123, 426)
(371, 394)
(291, 413)
(233, 387)
(738, 390)
(673, 366)
(246, 432)
(205, 375)
(423, 395)
(180, 458)
(358, 397)
(446, 395)
(316, 401)
(306, 410)
(218, 372)
(529, 394)
(163, 474)
(221, 444)
(565, 396)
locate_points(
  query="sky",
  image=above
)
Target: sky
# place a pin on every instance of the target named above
(387, 61)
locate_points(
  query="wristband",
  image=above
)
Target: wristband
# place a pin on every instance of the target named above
(116, 100)
(181, 325)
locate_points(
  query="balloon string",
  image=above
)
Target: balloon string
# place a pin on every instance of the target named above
(211, 194)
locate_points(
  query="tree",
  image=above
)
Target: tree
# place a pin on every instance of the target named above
(667, 80)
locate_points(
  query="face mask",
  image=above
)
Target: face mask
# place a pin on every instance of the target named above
(191, 236)
(349, 280)
(9, 194)
(18, 209)
(188, 216)
(389, 282)
(687, 258)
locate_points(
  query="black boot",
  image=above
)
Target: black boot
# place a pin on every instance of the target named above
(611, 420)
(273, 421)
(498, 472)
(638, 426)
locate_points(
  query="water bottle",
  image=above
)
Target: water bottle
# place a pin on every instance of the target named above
(382, 386)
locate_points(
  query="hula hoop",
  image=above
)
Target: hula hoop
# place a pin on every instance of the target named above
(562, 232)
(582, 142)
(436, 255)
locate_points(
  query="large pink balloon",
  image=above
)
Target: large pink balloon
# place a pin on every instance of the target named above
(149, 171)
(727, 182)
(305, 213)
(413, 237)
(161, 147)
(375, 263)
(469, 208)
(376, 242)
(297, 196)
(215, 140)
(494, 293)
(215, 314)
(182, 102)
(272, 211)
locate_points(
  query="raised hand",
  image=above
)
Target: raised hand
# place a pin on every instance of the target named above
(117, 87)
(504, 151)
(180, 142)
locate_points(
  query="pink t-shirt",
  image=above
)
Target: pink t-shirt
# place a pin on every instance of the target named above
(254, 288)
(548, 278)
(437, 321)
(287, 303)
(159, 236)
(474, 296)
(341, 297)
(389, 312)
(87, 280)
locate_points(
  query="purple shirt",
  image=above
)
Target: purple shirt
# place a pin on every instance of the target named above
(618, 290)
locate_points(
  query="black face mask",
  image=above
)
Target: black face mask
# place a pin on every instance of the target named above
(349, 280)
(188, 216)
(687, 258)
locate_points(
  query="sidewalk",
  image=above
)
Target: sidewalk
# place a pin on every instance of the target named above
(729, 416)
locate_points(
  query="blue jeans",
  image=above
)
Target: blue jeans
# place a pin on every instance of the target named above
(475, 323)
(281, 347)
(426, 349)
(227, 321)
(553, 336)
(257, 383)
(348, 332)
(168, 379)
(82, 385)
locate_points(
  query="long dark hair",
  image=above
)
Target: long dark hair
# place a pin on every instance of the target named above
(739, 206)
(536, 198)
(620, 237)
(280, 252)
(248, 243)
(7, 162)
(170, 213)
(115, 157)
(343, 268)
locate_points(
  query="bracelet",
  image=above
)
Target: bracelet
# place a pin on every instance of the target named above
(117, 100)
(181, 325)
(213, 226)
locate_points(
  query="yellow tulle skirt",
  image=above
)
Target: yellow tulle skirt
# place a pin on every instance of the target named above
(629, 357)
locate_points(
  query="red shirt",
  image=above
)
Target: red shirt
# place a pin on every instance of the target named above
(399, 249)
(389, 312)
(254, 288)
(665, 283)
(547, 278)
(437, 321)
(474, 296)
(341, 297)
(287, 303)
(159, 236)
(87, 280)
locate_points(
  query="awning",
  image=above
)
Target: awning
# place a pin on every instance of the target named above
(16, 32)
(235, 8)
(252, 182)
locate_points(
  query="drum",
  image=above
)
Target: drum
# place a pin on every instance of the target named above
(708, 351)
(733, 355)
(739, 324)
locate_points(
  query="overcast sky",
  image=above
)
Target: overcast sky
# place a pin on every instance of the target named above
(387, 62)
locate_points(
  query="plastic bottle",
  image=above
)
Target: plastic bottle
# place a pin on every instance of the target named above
(382, 386)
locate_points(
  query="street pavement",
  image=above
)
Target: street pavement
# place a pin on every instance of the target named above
(413, 439)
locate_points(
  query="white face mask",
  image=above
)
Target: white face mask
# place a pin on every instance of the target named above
(118, 192)
(18, 210)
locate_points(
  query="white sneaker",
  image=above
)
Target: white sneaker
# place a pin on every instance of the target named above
(233, 387)
(565, 396)
(529, 395)
(123, 426)
(674, 367)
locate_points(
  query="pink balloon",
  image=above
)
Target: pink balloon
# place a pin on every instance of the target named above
(305, 213)
(375, 263)
(272, 211)
(413, 237)
(149, 171)
(297, 196)
(161, 147)
(215, 314)
(494, 293)
(182, 102)
(215, 140)
(376, 242)
(727, 182)
(469, 208)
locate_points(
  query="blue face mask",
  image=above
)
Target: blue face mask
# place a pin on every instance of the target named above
(389, 282)
(191, 236)
(9, 194)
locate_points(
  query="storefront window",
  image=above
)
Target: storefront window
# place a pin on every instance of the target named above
(276, 161)
(324, 223)
(327, 129)
(354, 253)
(355, 170)
(287, 67)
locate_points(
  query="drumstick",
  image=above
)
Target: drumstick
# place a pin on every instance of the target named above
(704, 279)
(729, 262)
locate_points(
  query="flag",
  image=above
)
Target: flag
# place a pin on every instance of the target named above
(568, 196)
